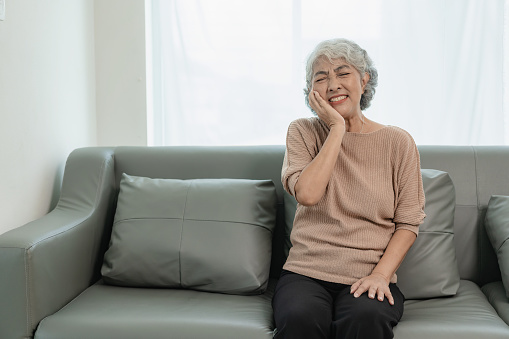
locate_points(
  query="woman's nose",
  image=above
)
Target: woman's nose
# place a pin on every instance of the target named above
(334, 84)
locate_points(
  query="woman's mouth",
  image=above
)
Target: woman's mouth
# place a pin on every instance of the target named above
(338, 100)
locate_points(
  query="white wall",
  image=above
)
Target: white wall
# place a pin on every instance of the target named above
(120, 72)
(47, 100)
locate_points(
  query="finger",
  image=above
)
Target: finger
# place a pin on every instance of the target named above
(355, 286)
(318, 107)
(313, 102)
(380, 295)
(362, 288)
(323, 109)
(320, 100)
(388, 294)
(372, 292)
(312, 99)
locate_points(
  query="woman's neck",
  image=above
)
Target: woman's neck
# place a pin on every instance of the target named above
(356, 123)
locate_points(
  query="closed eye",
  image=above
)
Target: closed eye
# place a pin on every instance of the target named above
(318, 80)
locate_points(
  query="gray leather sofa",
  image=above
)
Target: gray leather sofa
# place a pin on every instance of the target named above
(50, 284)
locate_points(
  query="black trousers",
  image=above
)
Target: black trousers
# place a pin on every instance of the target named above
(309, 308)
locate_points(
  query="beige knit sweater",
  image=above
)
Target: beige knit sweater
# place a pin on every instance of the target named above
(375, 189)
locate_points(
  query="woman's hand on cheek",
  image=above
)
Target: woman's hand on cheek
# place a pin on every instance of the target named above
(324, 110)
(374, 285)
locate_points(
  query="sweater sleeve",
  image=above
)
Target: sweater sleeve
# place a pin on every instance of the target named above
(409, 203)
(300, 151)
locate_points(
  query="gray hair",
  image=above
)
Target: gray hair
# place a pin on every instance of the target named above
(354, 55)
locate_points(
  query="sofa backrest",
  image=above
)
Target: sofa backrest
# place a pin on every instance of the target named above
(252, 162)
(477, 172)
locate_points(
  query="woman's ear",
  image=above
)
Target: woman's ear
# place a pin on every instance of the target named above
(364, 81)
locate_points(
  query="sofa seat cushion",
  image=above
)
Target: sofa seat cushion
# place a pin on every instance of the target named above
(495, 292)
(467, 315)
(110, 312)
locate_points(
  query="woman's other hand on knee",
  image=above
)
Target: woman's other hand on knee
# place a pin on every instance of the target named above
(376, 285)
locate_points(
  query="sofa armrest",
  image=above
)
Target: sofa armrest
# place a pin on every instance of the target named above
(48, 262)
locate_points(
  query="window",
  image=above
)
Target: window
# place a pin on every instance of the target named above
(232, 72)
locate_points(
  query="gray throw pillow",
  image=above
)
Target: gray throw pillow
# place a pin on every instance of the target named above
(497, 227)
(210, 235)
(430, 268)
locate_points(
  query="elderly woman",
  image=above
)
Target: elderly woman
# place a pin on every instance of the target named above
(360, 203)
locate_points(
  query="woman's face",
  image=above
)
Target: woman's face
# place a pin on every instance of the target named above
(340, 84)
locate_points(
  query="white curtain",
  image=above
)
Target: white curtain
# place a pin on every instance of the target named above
(228, 72)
